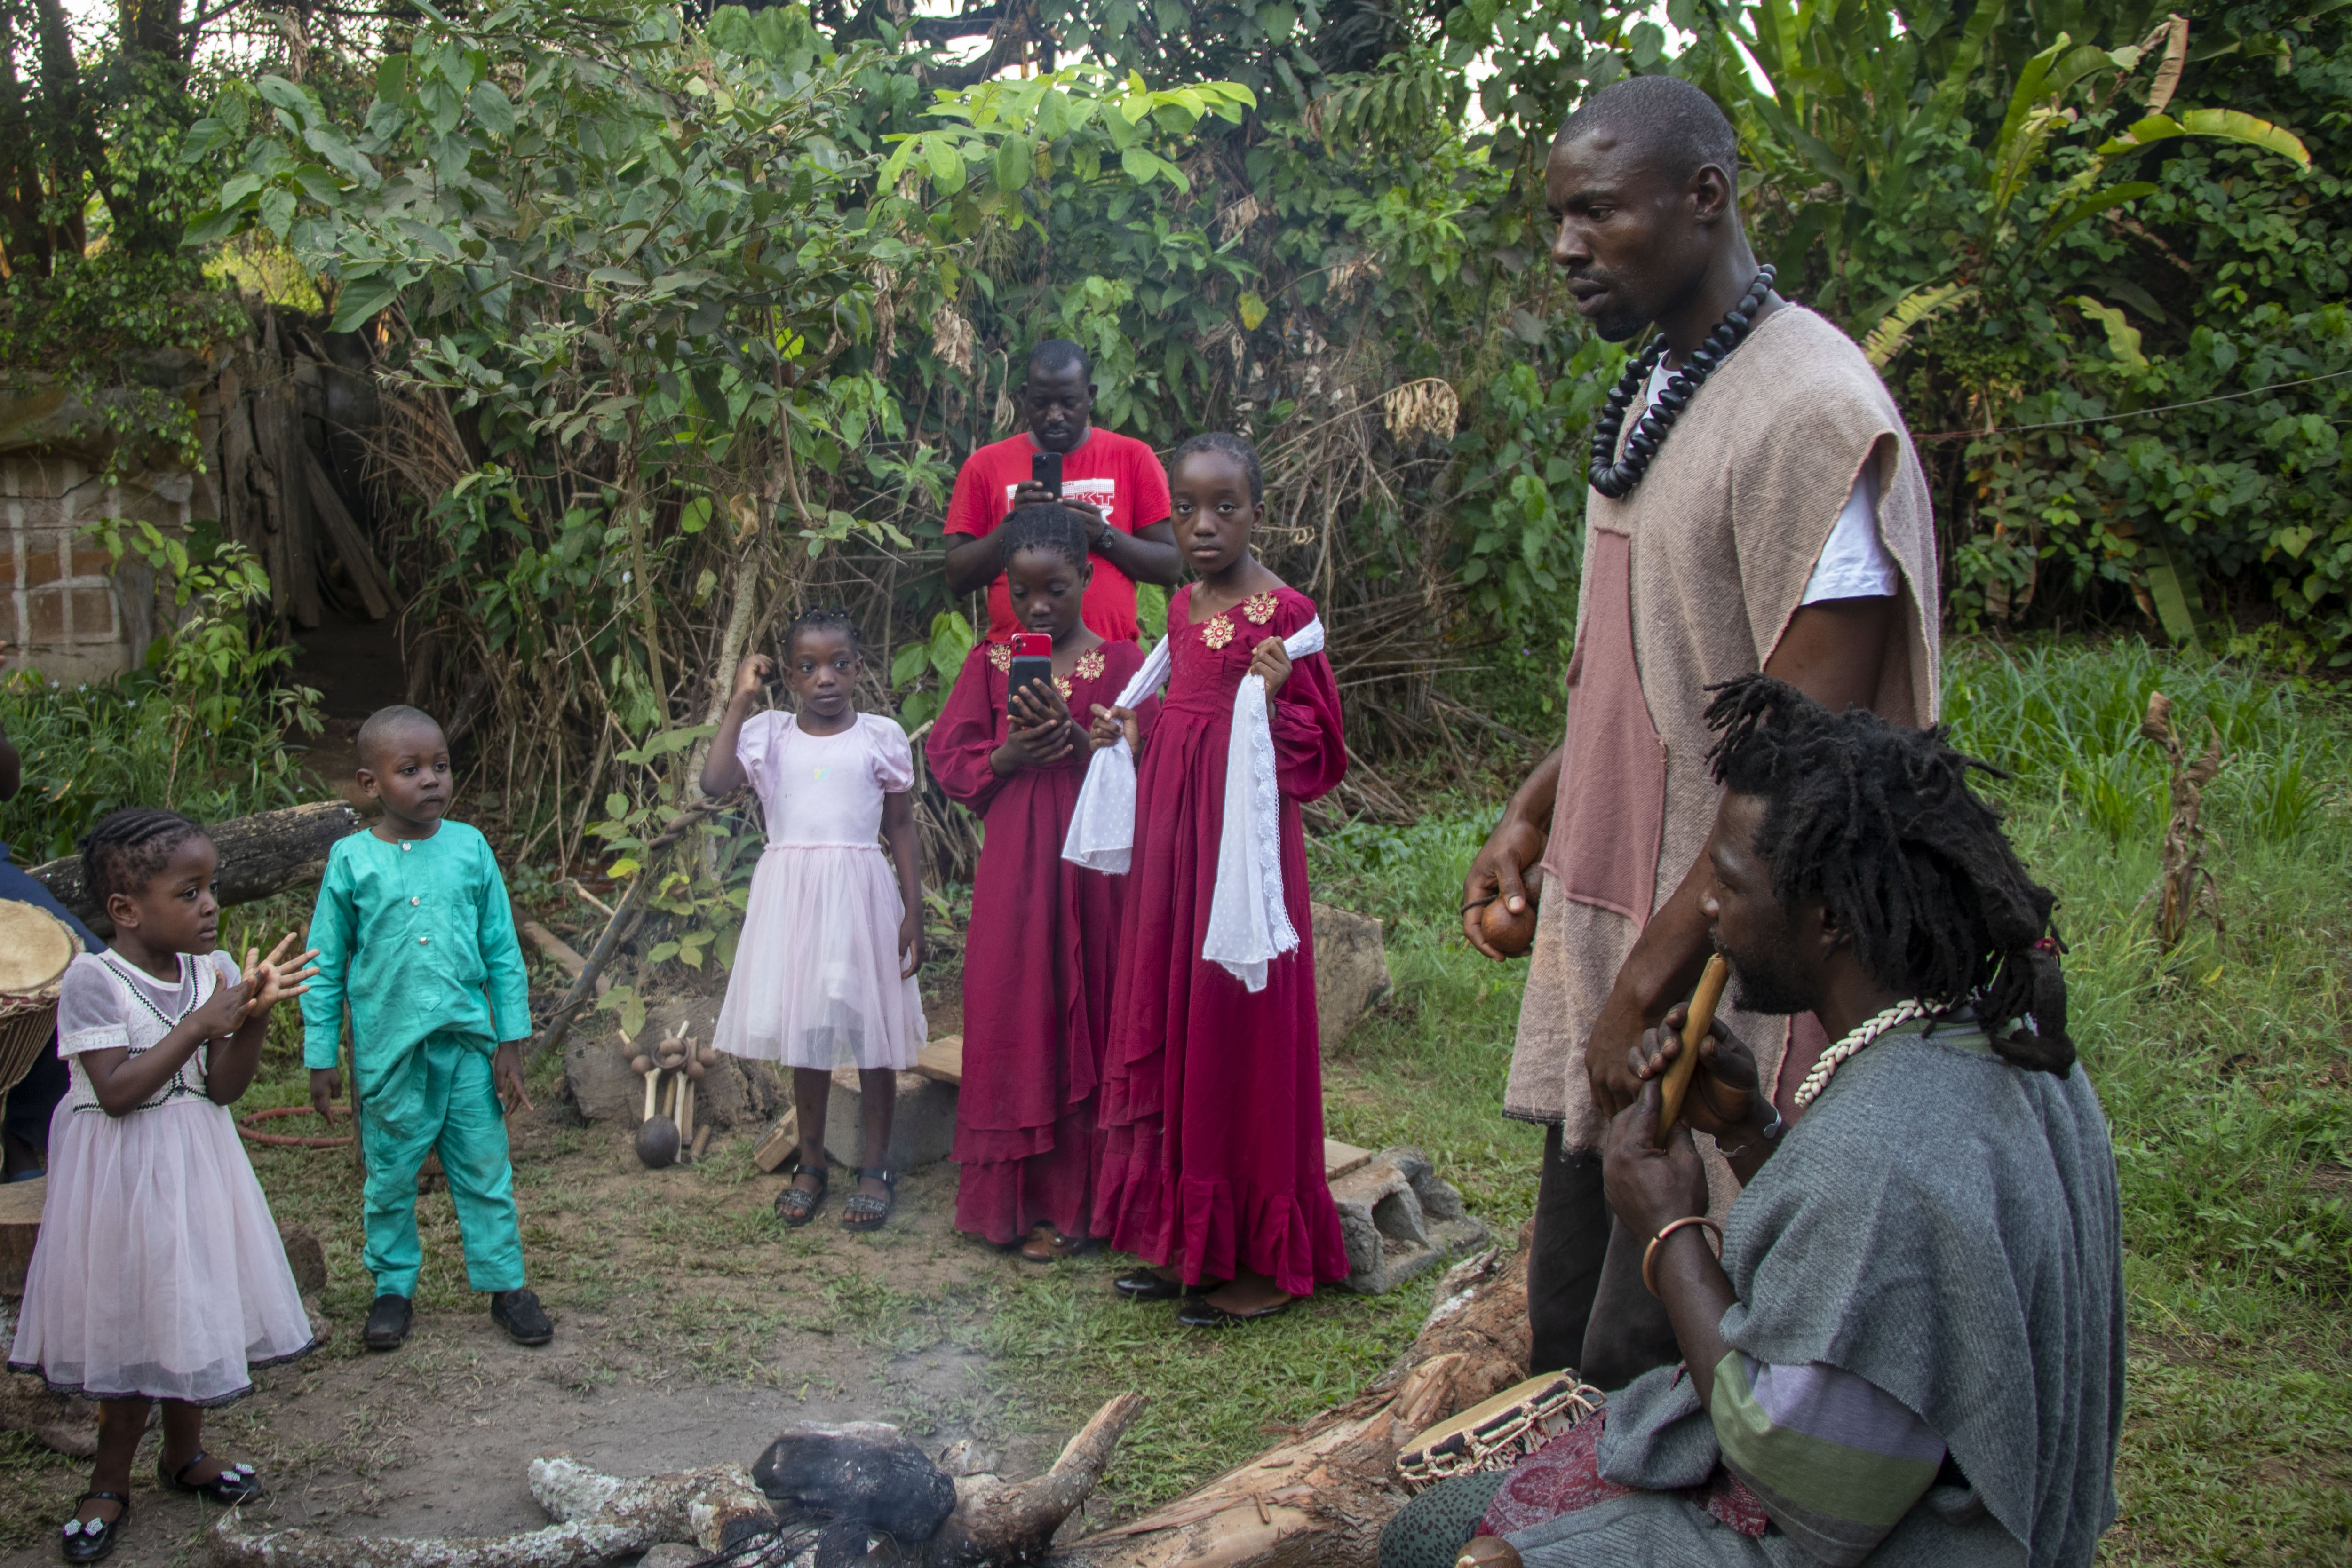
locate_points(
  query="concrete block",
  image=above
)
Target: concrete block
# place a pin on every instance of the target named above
(1440, 1200)
(922, 1127)
(1351, 970)
(1390, 1234)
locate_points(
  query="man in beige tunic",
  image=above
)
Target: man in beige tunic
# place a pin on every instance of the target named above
(1764, 509)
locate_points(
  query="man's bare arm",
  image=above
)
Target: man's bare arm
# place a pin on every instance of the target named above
(973, 562)
(1833, 653)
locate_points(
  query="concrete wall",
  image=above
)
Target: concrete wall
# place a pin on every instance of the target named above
(62, 611)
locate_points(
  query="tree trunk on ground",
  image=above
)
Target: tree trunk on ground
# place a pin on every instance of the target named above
(1320, 1500)
(259, 856)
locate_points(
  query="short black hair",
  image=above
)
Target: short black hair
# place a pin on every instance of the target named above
(128, 848)
(824, 618)
(378, 728)
(1879, 823)
(1058, 530)
(1673, 125)
(1230, 446)
(1056, 355)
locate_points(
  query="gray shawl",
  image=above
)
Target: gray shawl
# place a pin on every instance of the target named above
(1947, 1225)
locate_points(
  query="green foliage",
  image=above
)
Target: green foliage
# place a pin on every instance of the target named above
(201, 729)
(927, 670)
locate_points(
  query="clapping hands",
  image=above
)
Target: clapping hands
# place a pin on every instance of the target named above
(263, 983)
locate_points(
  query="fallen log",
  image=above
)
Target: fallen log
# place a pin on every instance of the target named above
(597, 1519)
(1320, 1500)
(260, 856)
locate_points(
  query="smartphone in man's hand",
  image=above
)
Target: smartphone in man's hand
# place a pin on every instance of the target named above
(1045, 468)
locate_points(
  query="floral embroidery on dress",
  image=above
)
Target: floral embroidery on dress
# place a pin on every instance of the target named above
(1089, 667)
(1062, 685)
(1216, 631)
(1259, 607)
(999, 654)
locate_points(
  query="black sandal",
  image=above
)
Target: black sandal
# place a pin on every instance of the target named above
(864, 1211)
(234, 1485)
(93, 1540)
(796, 1206)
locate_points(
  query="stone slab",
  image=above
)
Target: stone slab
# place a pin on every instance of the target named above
(1340, 1159)
(1351, 970)
(922, 1127)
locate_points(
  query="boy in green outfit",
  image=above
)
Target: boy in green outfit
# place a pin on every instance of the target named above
(413, 930)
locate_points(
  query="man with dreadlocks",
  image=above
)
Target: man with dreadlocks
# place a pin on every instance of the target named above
(1910, 1349)
(1756, 505)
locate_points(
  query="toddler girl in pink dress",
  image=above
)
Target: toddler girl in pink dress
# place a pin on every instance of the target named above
(823, 973)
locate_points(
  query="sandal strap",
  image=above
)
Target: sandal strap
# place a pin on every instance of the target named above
(882, 1173)
(102, 1497)
(180, 1476)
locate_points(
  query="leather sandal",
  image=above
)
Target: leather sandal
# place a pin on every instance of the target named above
(1047, 1245)
(864, 1211)
(93, 1540)
(796, 1206)
(234, 1485)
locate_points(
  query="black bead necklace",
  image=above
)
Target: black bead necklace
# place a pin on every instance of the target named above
(1615, 477)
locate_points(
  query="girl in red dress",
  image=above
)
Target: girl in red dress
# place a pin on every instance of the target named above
(1037, 966)
(1212, 1091)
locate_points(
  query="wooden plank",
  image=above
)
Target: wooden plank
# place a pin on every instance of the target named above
(777, 1147)
(20, 1225)
(367, 573)
(942, 1060)
(1339, 1159)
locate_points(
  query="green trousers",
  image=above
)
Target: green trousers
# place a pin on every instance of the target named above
(442, 1098)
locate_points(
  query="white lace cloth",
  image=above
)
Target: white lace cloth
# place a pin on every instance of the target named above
(1249, 926)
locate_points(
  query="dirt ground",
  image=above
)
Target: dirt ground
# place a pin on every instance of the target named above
(689, 1327)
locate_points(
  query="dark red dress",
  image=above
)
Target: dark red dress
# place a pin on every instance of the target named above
(1213, 1096)
(1036, 963)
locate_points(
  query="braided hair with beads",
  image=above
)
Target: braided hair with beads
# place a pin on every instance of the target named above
(1880, 824)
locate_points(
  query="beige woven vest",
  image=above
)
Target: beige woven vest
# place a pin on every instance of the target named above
(1689, 581)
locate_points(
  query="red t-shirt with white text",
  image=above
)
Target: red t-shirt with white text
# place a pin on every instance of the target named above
(1118, 473)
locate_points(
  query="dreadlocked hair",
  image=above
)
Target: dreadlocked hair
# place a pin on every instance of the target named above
(1227, 445)
(1055, 529)
(1880, 824)
(128, 848)
(826, 618)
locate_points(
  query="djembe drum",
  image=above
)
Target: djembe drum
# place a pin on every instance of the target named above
(1499, 1433)
(35, 948)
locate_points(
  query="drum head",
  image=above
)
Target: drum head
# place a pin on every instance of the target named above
(35, 948)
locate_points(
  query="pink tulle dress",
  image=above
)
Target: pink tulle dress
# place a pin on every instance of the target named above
(159, 1272)
(816, 981)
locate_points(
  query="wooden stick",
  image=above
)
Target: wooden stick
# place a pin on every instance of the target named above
(653, 1089)
(559, 1026)
(1702, 1014)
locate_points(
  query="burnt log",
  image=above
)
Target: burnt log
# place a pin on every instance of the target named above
(598, 1518)
(260, 855)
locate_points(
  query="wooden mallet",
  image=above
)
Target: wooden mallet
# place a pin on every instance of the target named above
(1677, 1081)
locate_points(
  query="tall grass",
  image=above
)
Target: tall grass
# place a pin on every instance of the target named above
(88, 747)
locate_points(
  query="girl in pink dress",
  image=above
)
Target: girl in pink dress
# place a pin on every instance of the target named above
(825, 970)
(1212, 1091)
(159, 1274)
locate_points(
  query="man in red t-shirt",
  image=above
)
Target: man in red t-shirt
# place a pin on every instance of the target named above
(1113, 481)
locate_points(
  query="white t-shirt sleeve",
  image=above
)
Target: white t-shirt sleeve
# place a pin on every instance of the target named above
(1853, 564)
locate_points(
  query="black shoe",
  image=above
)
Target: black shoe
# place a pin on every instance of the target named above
(234, 1485)
(1200, 1314)
(1143, 1285)
(93, 1540)
(519, 1314)
(387, 1322)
